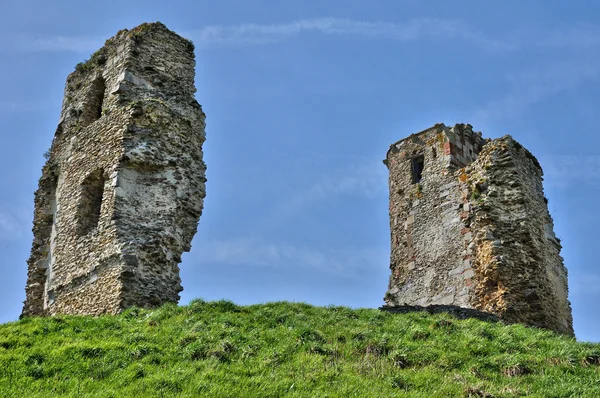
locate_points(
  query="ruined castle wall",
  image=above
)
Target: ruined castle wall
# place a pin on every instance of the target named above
(428, 259)
(44, 216)
(126, 167)
(81, 146)
(475, 232)
(519, 271)
(160, 182)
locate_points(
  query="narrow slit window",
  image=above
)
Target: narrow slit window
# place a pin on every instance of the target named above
(90, 203)
(418, 164)
(51, 297)
(95, 98)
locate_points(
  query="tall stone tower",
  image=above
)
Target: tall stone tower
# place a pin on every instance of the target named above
(122, 191)
(470, 228)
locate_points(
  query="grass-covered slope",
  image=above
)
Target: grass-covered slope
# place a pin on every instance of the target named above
(219, 349)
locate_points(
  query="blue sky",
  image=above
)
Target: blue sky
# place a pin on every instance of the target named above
(303, 99)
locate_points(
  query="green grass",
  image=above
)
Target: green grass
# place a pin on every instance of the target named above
(219, 349)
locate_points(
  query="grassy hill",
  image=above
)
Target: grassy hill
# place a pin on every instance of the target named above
(219, 349)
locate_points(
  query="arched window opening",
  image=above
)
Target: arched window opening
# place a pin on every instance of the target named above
(418, 164)
(90, 203)
(92, 109)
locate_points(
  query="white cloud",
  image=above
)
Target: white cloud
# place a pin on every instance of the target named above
(348, 262)
(369, 181)
(410, 30)
(563, 171)
(538, 83)
(66, 44)
(253, 34)
(257, 34)
(366, 180)
(53, 43)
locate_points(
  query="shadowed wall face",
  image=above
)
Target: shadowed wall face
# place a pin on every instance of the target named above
(470, 228)
(122, 191)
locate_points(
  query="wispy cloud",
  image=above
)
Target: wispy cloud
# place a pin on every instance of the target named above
(260, 34)
(367, 181)
(66, 44)
(537, 83)
(560, 170)
(243, 251)
(253, 34)
(410, 30)
(413, 29)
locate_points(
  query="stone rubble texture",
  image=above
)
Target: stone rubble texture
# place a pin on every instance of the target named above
(475, 231)
(122, 191)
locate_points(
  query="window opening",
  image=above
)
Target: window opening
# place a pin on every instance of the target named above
(90, 203)
(92, 109)
(51, 297)
(418, 164)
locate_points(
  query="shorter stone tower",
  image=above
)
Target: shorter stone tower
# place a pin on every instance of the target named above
(470, 228)
(122, 190)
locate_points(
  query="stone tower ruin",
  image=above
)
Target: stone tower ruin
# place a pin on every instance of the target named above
(122, 190)
(470, 228)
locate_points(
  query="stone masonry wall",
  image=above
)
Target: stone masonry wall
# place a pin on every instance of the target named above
(425, 218)
(475, 231)
(122, 191)
(518, 267)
